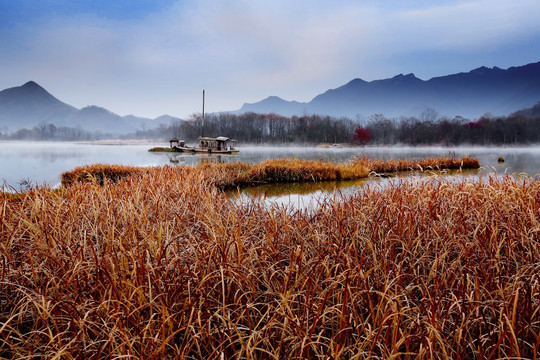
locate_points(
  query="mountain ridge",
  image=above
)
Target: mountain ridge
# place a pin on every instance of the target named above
(30, 104)
(468, 94)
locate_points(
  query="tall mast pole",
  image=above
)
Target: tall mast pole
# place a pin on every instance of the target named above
(202, 127)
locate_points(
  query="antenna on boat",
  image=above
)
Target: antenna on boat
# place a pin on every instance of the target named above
(202, 127)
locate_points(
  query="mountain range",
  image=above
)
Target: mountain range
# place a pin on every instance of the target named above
(470, 94)
(29, 105)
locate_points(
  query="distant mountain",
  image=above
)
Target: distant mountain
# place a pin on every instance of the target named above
(95, 118)
(30, 104)
(533, 111)
(470, 94)
(271, 103)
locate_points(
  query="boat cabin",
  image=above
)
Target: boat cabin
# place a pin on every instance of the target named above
(217, 144)
(175, 142)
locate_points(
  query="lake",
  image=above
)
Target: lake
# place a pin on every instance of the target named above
(43, 162)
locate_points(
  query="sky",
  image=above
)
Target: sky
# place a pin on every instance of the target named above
(154, 57)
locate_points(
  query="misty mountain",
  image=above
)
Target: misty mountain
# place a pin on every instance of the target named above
(95, 118)
(470, 94)
(28, 105)
(271, 103)
(533, 111)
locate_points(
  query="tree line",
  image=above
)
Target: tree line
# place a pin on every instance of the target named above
(430, 129)
(427, 129)
(256, 128)
(49, 132)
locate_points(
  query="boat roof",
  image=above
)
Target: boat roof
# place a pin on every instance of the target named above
(219, 138)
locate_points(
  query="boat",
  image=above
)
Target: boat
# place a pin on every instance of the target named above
(207, 145)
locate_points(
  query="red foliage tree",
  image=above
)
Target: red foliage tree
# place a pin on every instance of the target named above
(361, 136)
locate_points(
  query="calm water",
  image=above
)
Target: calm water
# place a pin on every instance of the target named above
(42, 163)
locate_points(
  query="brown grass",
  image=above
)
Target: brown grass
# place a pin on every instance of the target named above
(380, 166)
(162, 149)
(164, 265)
(231, 175)
(99, 173)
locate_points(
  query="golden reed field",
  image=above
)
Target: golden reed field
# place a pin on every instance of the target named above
(158, 263)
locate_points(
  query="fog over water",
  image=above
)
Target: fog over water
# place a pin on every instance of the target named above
(42, 163)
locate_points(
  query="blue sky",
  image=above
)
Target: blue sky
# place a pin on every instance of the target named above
(154, 57)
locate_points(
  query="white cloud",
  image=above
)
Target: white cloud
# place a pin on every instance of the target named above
(467, 24)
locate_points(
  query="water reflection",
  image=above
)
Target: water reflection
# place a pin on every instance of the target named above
(188, 159)
(192, 159)
(276, 190)
(298, 195)
(308, 195)
(175, 159)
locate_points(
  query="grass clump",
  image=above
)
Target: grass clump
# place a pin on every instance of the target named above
(442, 163)
(162, 149)
(99, 173)
(294, 170)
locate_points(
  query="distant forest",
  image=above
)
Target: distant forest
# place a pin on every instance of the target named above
(429, 128)
(50, 132)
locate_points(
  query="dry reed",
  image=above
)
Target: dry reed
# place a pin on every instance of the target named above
(391, 165)
(164, 265)
(230, 175)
